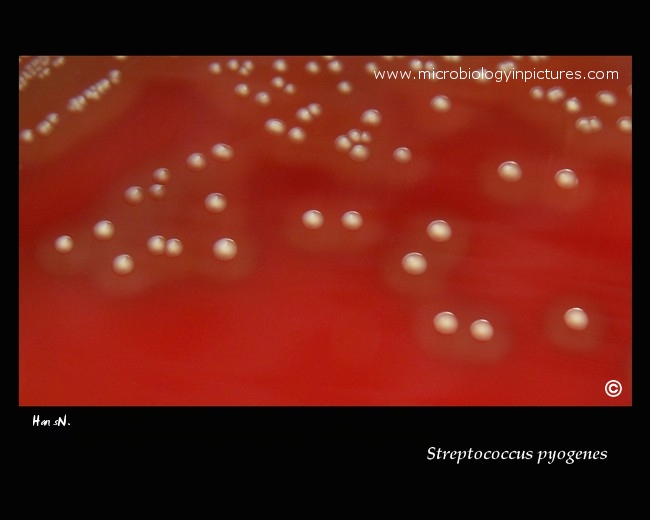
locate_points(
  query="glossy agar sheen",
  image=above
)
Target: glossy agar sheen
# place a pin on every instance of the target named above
(272, 237)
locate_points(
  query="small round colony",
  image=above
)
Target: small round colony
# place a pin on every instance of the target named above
(53, 118)
(481, 330)
(222, 152)
(173, 247)
(215, 203)
(275, 127)
(196, 162)
(371, 117)
(566, 179)
(441, 104)
(278, 82)
(359, 152)
(312, 67)
(343, 143)
(122, 264)
(352, 220)
(297, 135)
(344, 87)
(414, 263)
(44, 128)
(161, 175)
(315, 109)
(280, 65)
(304, 115)
(63, 244)
(263, 99)
(537, 93)
(336, 67)
(157, 191)
(576, 319)
(606, 98)
(439, 231)
(572, 105)
(354, 135)
(27, 136)
(509, 171)
(242, 90)
(134, 195)
(402, 155)
(312, 219)
(624, 124)
(156, 245)
(224, 249)
(103, 230)
(445, 322)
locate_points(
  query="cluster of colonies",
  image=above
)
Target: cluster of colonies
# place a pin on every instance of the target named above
(76, 104)
(223, 248)
(355, 143)
(584, 124)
